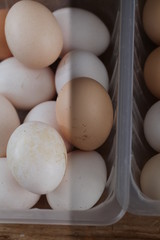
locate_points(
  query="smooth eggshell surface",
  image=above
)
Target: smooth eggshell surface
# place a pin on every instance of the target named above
(77, 64)
(37, 157)
(12, 195)
(23, 86)
(46, 112)
(152, 126)
(83, 183)
(150, 178)
(4, 50)
(82, 30)
(152, 72)
(9, 121)
(33, 34)
(84, 113)
(151, 20)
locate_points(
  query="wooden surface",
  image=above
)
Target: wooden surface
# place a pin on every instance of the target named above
(130, 227)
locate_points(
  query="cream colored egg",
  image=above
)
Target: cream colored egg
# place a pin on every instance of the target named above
(77, 64)
(150, 178)
(46, 112)
(9, 121)
(33, 34)
(37, 157)
(83, 183)
(12, 195)
(23, 86)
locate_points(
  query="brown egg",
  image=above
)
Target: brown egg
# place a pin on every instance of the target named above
(84, 113)
(150, 178)
(152, 72)
(151, 20)
(4, 50)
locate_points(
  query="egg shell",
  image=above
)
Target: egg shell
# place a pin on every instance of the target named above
(82, 30)
(150, 178)
(37, 157)
(83, 183)
(4, 50)
(77, 64)
(84, 113)
(152, 72)
(23, 86)
(12, 195)
(37, 41)
(9, 121)
(151, 20)
(46, 112)
(152, 126)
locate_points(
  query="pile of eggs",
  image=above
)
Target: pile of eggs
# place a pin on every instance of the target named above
(150, 175)
(69, 112)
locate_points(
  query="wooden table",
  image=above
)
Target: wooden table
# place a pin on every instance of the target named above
(130, 227)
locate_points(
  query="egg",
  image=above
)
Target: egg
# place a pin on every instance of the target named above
(37, 157)
(4, 50)
(152, 126)
(46, 112)
(9, 121)
(77, 64)
(152, 72)
(12, 195)
(151, 20)
(23, 86)
(84, 113)
(150, 178)
(33, 34)
(82, 30)
(83, 183)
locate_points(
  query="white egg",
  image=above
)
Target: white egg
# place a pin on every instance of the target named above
(77, 64)
(12, 195)
(152, 126)
(9, 121)
(82, 30)
(37, 157)
(23, 86)
(46, 112)
(83, 183)
(150, 178)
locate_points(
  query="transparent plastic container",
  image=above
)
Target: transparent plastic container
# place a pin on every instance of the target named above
(142, 101)
(118, 16)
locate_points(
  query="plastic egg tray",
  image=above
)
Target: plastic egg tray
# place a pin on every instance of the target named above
(142, 101)
(122, 64)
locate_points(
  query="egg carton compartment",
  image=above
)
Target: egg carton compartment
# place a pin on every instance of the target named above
(116, 150)
(142, 101)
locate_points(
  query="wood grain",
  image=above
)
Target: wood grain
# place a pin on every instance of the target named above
(130, 227)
